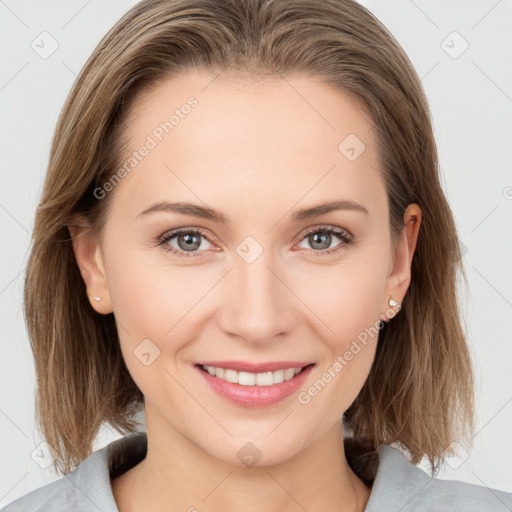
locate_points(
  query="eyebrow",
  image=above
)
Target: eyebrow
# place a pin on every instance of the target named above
(203, 212)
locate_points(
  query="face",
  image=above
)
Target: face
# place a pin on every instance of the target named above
(254, 281)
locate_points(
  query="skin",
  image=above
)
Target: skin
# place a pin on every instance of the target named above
(257, 153)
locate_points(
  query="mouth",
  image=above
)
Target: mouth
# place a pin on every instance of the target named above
(258, 388)
(252, 378)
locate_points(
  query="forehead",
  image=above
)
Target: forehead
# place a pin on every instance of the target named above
(287, 137)
(295, 106)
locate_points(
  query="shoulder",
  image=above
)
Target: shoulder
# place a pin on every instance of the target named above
(51, 497)
(453, 494)
(87, 488)
(400, 485)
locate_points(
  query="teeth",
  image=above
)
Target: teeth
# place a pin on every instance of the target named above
(260, 379)
(247, 379)
(288, 374)
(253, 379)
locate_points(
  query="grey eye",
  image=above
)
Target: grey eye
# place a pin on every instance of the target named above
(187, 241)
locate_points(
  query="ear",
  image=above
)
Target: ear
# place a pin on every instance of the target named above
(86, 247)
(400, 277)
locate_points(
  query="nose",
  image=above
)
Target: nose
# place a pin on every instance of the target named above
(259, 304)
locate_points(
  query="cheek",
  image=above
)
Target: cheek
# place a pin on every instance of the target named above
(150, 301)
(157, 307)
(149, 295)
(348, 302)
(346, 298)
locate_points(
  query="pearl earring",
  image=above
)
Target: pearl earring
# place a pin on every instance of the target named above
(97, 299)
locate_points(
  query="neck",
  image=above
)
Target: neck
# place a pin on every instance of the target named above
(178, 475)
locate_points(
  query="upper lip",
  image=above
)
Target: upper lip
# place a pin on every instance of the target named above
(245, 366)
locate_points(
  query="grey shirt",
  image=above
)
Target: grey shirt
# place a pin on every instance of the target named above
(398, 485)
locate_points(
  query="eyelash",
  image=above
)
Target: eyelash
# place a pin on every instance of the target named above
(347, 239)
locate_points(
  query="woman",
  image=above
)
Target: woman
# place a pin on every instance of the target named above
(243, 234)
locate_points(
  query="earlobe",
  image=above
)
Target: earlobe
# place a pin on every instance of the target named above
(87, 250)
(98, 305)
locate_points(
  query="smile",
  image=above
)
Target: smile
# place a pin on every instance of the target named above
(254, 389)
(252, 379)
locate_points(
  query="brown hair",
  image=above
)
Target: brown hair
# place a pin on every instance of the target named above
(419, 393)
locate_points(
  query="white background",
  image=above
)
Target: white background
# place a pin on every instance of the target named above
(471, 102)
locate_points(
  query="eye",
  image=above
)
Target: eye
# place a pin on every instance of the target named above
(188, 242)
(321, 238)
(184, 240)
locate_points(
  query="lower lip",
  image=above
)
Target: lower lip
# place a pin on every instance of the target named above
(255, 396)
